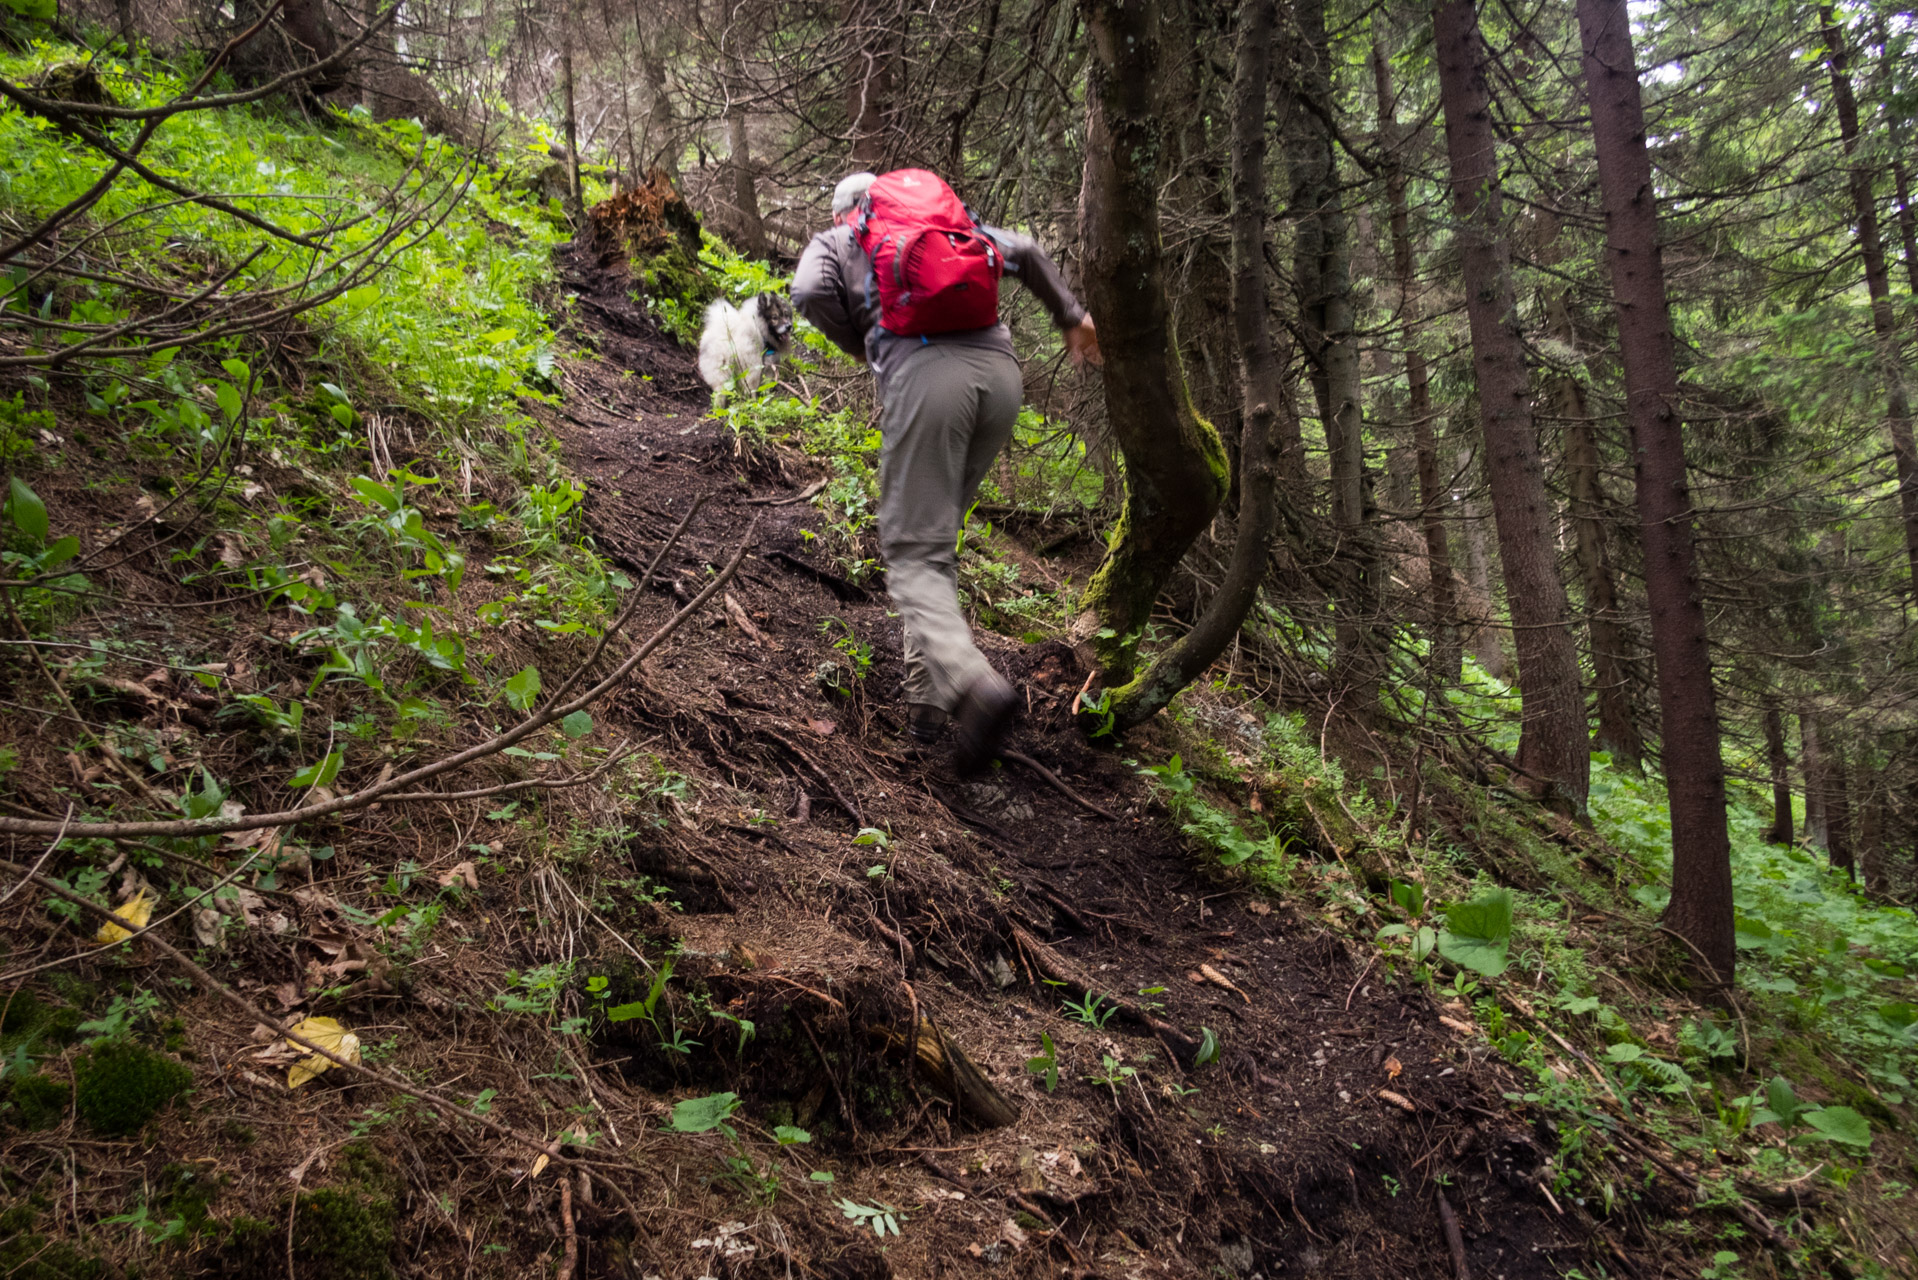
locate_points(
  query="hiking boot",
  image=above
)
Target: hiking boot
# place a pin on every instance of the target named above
(925, 723)
(980, 722)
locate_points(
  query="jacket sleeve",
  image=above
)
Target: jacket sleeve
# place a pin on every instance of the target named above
(820, 294)
(1028, 263)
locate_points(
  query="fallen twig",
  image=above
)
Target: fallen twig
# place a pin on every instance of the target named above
(571, 1257)
(555, 711)
(1453, 1240)
(446, 1106)
(1058, 783)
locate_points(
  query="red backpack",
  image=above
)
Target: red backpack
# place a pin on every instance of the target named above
(936, 269)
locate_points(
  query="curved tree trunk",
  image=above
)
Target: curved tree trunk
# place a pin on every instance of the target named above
(1700, 910)
(1553, 747)
(1175, 464)
(1261, 373)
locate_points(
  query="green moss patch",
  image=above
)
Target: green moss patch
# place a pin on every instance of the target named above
(34, 1101)
(120, 1084)
(344, 1235)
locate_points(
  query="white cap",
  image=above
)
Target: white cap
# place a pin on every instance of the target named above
(850, 191)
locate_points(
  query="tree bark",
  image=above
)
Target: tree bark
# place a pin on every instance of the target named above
(1871, 829)
(1553, 745)
(1838, 847)
(1877, 284)
(869, 83)
(1617, 730)
(575, 196)
(1261, 373)
(1780, 831)
(1175, 464)
(1812, 756)
(739, 159)
(1433, 498)
(1488, 643)
(1700, 910)
(1322, 248)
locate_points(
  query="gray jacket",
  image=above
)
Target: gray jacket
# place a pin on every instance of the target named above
(831, 290)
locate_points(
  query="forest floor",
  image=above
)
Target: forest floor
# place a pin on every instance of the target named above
(1238, 1093)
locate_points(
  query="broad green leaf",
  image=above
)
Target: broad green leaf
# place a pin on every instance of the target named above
(523, 688)
(1478, 934)
(237, 370)
(320, 774)
(1208, 1047)
(62, 550)
(577, 725)
(230, 400)
(1839, 1124)
(1783, 1100)
(789, 1135)
(29, 513)
(342, 414)
(699, 1115)
(375, 494)
(1409, 897)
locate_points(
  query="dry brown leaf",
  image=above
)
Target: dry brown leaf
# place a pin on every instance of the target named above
(135, 914)
(1398, 1100)
(1218, 979)
(462, 872)
(1392, 1068)
(539, 1165)
(209, 927)
(1463, 1028)
(823, 728)
(1258, 908)
(328, 1034)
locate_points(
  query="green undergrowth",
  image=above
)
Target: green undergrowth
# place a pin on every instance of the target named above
(380, 543)
(1544, 939)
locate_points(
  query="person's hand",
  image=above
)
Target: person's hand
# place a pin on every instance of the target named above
(1082, 344)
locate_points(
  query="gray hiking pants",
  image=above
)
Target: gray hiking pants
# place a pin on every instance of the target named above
(946, 412)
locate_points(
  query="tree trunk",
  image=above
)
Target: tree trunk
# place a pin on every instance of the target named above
(1617, 730)
(1322, 249)
(1175, 463)
(739, 159)
(1877, 285)
(1838, 847)
(869, 83)
(1553, 745)
(1261, 371)
(1871, 829)
(1488, 642)
(575, 196)
(659, 122)
(1433, 498)
(1701, 905)
(1812, 760)
(1780, 831)
(1907, 221)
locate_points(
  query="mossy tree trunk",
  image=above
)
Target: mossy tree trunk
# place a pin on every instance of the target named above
(1261, 388)
(1175, 464)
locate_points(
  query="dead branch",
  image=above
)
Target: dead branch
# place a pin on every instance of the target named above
(446, 1106)
(399, 782)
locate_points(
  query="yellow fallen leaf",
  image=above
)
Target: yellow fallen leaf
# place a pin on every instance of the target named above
(136, 912)
(539, 1165)
(328, 1034)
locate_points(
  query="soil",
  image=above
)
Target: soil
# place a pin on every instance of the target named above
(1332, 1114)
(1280, 1158)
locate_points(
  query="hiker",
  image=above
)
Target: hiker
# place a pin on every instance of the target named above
(927, 320)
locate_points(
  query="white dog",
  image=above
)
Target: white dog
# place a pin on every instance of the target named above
(744, 342)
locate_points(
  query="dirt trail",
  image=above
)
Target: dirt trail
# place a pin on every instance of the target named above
(1281, 1158)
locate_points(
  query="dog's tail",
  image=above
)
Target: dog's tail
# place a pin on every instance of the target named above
(717, 309)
